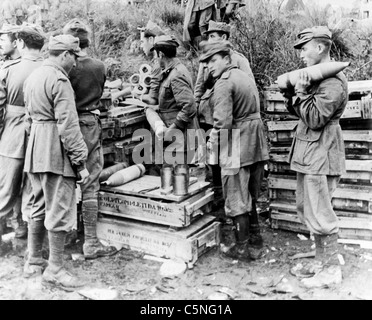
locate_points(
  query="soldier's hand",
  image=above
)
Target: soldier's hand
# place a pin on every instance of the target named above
(83, 176)
(303, 82)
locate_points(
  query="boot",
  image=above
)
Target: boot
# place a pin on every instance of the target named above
(240, 250)
(255, 238)
(35, 264)
(4, 246)
(19, 226)
(92, 248)
(327, 253)
(55, 276)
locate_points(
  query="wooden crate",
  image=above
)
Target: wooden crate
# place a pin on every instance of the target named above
(358, 144)
(358, 172)
(350, 228)
(125, 127)
(186, 245)
(346, 197)
(108, 129)
(153, 206)
(156, 211)
(281, 131)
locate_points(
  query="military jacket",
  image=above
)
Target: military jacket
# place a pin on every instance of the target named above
(237, 107)
(56, 144)
(318, 145)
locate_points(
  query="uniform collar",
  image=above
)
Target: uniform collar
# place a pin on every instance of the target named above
(33, 57)
(170, 67)
(50, 63)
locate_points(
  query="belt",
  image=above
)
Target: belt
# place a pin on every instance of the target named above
(44, 121)
(253, 116)
(334, 122)
(15, 109)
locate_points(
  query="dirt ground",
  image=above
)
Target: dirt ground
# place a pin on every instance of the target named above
(128, 276)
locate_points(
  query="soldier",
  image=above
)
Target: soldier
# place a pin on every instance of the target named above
(56, 153)
(8, 45)
(197, 16)
(175, 99)
(12, 138)
(219, 32)
(318, 154)
(236, 114)
(228, 9)
(88, 81)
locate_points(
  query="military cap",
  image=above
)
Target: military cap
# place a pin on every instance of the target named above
(164, 41)
(318, 32)
(66, 42)
(218, 27)
(77, 29)
(152, 30)
(9, 28)
(209, 49)
(32, 29)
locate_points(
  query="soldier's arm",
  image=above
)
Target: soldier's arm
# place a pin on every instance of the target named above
(199, 84)
(223, 109)
(3, 99)
(68, 124)
(183, 94)
(316, 110)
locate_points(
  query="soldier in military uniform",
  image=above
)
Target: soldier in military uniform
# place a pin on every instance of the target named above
(88, 81)
(176, 101)
(227, 9)
(12, 137)
(236, 108)
(219, 32)
(197, 16)
(56, 155)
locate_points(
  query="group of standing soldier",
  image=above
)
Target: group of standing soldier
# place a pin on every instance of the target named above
(50, 112)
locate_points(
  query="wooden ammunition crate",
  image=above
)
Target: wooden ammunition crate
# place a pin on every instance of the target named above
(125, 127)
(127, 201)
(108, 129)
(186, 245)
(274, 101)
(346, 197)
(281, 131)
(350, 228)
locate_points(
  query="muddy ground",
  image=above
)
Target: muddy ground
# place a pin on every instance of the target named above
(128, 276)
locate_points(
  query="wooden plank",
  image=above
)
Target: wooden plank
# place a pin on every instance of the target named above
(357, 135)
(281, 125)
(360, 87)
(165, 213)
(355, 165)
(275, 157)
(160, 241)
(364, 244)
(148, 182)
(282, 182)
(353, 110)
(283, 207)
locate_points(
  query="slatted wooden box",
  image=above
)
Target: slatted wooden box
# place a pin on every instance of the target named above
(129, 201)
(186, 245)
(281, 132)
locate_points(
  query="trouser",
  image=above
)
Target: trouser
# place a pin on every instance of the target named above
(11, 175)
(54, 201)
(199, 20)
(242, 190)
(90, 127)
(216, 169)
(314, 203)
